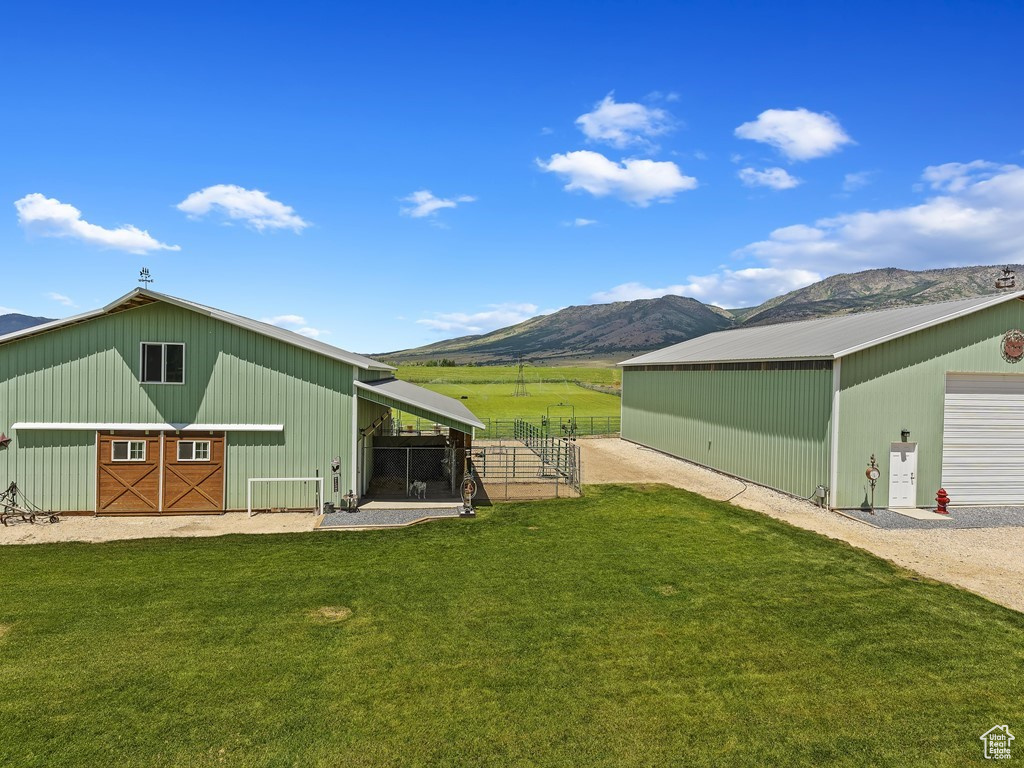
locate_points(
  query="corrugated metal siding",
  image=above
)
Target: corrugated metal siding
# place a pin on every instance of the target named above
(367, 413)
(771, 427)
(89, 372)
(373, 374)
(901, 385)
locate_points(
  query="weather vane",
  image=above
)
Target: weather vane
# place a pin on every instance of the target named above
(1008, 280)
(144, 277)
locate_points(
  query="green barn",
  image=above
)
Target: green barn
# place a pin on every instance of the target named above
(158, 405)
(935, 393)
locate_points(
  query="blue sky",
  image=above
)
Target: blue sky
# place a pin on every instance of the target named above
(393, 174)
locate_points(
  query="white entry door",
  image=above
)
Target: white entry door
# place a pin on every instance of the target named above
(903, 475)
(983, 439)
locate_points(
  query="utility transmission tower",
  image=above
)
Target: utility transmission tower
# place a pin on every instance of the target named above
(520, 381)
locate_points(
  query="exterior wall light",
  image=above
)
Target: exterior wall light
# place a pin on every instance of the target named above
(905, 435)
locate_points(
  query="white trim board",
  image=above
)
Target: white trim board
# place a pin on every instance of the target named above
(127, 426)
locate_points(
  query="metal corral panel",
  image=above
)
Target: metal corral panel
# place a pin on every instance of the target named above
(89, 372)
(901, 385)
(983, 439)
(824, 338)
(769, 426)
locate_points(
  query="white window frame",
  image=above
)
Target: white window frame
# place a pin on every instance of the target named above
(209, 450)
(129, 443)
(163, 361)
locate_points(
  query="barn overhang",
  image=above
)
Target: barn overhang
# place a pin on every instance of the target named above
(421, 402)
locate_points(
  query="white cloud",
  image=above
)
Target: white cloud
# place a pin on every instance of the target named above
(239, 204)
(854, 181)
(284, 320)
(60, 298)
(48, 217)
(956, 177)
(625, 124)
(425, 203)
(726, 288)
(579, 222)
(494, 317)
(9, 311)
(639, 182)
(295, 323)
(662, 96)
(776, 178)
(798, 133)
(977, 218)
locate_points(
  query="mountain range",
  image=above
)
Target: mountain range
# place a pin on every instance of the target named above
(594, 333)
(14, 322)
(612, 332)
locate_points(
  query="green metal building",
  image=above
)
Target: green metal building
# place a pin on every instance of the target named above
(155, 404)
(935, 393)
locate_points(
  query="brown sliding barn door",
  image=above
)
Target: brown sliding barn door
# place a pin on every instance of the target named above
(193, 473)
(128, 474)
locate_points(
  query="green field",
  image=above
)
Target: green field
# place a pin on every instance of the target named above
(499, 374)
(495, 401)
(488, 390)
(631, 627)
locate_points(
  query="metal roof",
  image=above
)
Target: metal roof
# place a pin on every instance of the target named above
(827, 338)
(418, 397)
(142, 296)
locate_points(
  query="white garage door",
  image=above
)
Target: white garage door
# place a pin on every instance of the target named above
(983, 439)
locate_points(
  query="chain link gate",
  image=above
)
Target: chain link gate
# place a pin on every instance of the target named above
(395, 470)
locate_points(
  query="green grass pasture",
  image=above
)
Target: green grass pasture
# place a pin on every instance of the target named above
(495, 401)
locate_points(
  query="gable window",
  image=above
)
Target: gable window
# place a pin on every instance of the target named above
(163, 363)
(127, 450)
(193, 450)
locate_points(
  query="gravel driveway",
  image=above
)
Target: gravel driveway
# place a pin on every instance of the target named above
(988, 561)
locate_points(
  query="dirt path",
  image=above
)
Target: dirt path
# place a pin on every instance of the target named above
(988, 561)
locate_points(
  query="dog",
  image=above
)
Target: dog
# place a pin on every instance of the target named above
(417, 488)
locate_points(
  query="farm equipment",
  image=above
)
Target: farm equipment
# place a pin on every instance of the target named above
(14, 505)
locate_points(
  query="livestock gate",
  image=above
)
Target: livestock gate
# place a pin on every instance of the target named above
(532, 465)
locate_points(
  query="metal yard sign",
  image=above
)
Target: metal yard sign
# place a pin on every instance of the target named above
(1013, 346)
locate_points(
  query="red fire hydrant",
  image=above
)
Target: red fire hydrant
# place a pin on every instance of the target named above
(942, 499)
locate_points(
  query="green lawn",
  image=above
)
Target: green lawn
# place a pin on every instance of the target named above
(628, 628)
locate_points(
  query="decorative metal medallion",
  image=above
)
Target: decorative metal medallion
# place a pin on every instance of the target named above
(1013, 346)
